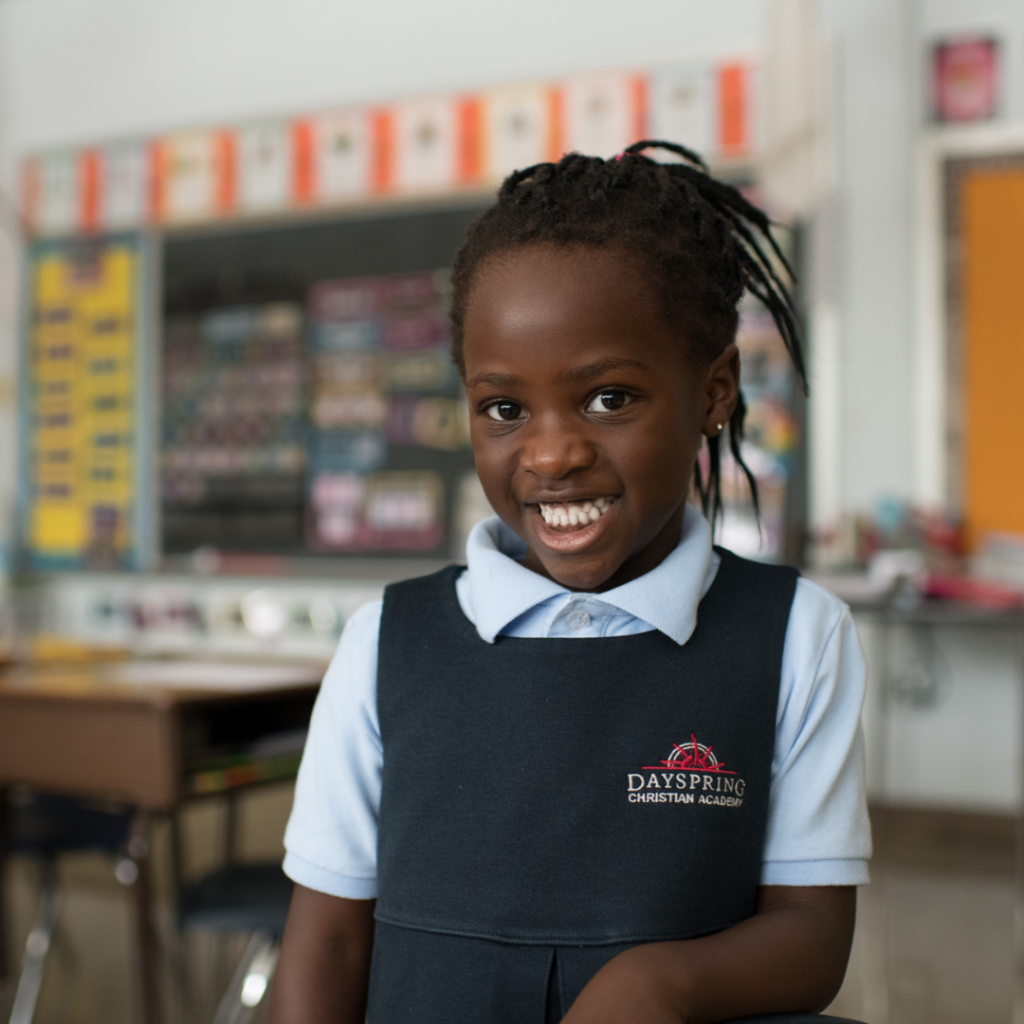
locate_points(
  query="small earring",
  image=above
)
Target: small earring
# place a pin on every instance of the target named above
(721, 427)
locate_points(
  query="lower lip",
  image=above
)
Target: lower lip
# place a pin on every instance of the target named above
(569, 543)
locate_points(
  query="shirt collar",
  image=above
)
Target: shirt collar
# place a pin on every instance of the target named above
(667, 597)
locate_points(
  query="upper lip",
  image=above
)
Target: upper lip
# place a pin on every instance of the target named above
(561, 497)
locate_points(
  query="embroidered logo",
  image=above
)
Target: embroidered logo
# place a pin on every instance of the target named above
(691, 774)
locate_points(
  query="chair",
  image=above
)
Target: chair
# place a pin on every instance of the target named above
(43, 827)
(237, 899)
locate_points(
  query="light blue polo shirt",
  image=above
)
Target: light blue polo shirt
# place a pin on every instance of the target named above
(818, 831)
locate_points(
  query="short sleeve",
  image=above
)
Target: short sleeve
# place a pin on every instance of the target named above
(331, 839)
(818, 829)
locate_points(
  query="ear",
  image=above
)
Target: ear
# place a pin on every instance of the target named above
(721, 391)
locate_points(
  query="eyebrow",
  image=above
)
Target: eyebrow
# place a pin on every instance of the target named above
(583, 374)
(496, 380)
(579, 375)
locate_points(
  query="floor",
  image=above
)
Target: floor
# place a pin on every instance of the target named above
(934, 941)
(933, 944)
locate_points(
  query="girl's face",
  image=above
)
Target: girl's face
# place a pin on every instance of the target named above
(586, 412)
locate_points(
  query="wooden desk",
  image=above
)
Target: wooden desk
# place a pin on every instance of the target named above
(135, 732)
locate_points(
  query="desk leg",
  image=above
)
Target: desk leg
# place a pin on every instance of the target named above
(1018, 901)
(5, 842)
(1018, 923)
(148, 948)
(877, 1008)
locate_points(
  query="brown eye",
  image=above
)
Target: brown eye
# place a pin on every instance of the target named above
(608, 401)
(504, 411)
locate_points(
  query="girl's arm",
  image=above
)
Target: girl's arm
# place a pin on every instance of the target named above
(789, 957)
(324, 967)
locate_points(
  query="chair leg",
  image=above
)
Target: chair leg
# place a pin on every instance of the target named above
(181, 984)
(37, 945)
(250, 981)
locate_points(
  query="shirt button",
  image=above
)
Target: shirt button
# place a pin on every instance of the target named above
(579, 620)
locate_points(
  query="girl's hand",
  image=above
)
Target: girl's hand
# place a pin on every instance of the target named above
(789, 957)
(627, 991)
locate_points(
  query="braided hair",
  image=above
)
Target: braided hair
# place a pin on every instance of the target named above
(700, 241)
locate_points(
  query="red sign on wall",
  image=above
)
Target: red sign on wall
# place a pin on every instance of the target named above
(965, 80)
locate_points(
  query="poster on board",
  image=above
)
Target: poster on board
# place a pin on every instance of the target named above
(683, 107)
(426, 144)
(343, 155)
(518, 129)
(125, 186)
(80, 423)
(195, 175)
(58, 195)
(602, 113)
(264, 166)
(388, 442)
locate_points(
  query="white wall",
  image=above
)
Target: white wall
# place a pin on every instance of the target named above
(876, 78)
(75, 71)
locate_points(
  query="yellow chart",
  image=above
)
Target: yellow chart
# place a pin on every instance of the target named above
(81, 424)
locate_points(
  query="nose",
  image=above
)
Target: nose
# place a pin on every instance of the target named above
(554, 449)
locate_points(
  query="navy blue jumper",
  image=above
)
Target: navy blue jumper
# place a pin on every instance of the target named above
(548, 803)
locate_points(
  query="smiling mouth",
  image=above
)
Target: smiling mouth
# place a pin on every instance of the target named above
(568, 516)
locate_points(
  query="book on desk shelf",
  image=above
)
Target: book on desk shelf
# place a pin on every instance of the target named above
(268, 759)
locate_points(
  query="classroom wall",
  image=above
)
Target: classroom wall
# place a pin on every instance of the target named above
(75, 72)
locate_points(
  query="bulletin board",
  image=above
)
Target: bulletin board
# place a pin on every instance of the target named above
(990, 219)
(309, 403)
(80, 424)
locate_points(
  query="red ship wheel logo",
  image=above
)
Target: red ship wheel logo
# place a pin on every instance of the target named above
(692, 756)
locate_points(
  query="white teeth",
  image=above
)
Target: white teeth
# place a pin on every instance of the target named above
(575, 513)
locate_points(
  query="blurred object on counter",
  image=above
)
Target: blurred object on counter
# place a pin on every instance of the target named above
(849, 544)
(906, 554)
(181, 616)
(1001, 558)
(45, 649)
(973, 590)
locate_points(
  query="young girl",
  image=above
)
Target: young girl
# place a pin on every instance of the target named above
(607, 773)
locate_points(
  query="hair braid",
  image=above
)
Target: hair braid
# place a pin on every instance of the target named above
(681, 225)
